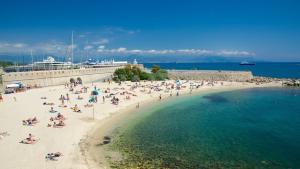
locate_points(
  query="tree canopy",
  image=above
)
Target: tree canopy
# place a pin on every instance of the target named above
(155, 68)
(135, 74)
(5, 64)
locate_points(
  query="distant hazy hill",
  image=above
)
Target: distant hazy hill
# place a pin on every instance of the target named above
(140, 59)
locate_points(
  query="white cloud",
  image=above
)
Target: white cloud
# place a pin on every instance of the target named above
(19, 45)
(120, 30)
(198, 52)
(88, 47)
(122, 50)
(6, 47)
(234, 53)
(98, 48)
(101, 42)
(101, 47)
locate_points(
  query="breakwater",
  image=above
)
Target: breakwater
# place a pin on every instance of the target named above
(57, 77)
(214, 75)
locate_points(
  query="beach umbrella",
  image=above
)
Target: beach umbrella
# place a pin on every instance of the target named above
(91, 99)
(95, 93)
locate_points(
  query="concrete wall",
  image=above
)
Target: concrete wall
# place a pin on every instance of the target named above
(211, 75)
(57, 77)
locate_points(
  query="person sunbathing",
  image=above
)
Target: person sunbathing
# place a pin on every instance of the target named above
(79, 97)
(30, 121)
(88, 105)
(26, 122)
(78, 92)
(59, 117)
(52, 110)
(76, 109)
(47, 103)
(34, 119)
(59, 125)
(53, 156)
(62, 105)
(29, 140)
(3, 134)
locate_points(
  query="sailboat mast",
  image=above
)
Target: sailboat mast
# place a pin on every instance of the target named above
(31, 58)
(72, 57)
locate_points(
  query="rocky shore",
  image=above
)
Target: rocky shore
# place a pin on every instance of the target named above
(285, 81)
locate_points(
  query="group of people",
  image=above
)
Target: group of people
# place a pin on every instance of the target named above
(115, 100)
(60, 118)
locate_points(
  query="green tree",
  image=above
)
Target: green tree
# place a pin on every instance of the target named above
(155, 68)
(134, 73)
(120, 74)
(5, 64)
(144, 76)
(135, 78)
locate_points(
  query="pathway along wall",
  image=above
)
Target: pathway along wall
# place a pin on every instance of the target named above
(57, 77)
(240, 76)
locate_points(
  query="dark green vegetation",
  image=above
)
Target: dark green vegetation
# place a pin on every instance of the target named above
(135, 74)
(229, 130)
(5, 64)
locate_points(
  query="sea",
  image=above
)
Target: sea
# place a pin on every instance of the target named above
(255, 128)
(268, 69)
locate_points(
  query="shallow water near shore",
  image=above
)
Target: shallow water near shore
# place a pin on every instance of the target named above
(251, 128)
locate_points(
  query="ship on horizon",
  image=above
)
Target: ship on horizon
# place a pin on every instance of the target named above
(244, 63)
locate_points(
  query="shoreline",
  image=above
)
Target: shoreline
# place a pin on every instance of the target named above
(95, 156)
(73, 140)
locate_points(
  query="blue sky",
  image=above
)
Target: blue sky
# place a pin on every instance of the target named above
(263, 29)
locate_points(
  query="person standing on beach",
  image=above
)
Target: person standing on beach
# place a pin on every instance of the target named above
(160, 97)
(62, 100)
(68, 97)
(103, 99)
(1, 98)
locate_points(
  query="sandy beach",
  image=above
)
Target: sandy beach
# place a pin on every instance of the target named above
(76, 139)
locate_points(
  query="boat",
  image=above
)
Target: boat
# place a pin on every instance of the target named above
(51, 63)
(246, 63)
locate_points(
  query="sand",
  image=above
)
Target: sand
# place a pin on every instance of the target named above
(76, 140)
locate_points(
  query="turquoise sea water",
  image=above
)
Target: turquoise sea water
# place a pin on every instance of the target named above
(268, 69)
(253, 128)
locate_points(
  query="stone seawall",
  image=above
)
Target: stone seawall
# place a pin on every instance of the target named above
(57, 77)
(240, 76)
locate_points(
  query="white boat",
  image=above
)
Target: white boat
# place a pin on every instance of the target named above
(247, 63)
(51, 64)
